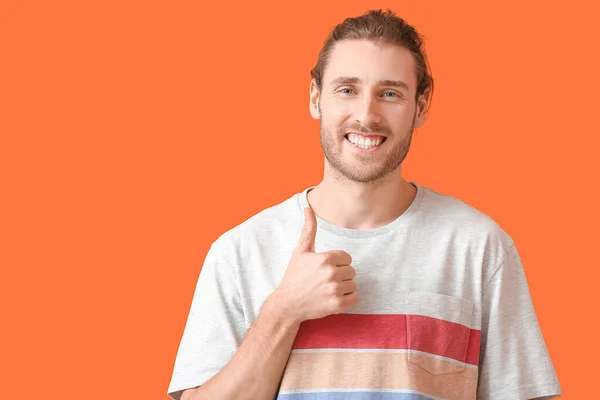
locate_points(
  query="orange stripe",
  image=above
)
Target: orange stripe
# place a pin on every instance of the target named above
(379, 370)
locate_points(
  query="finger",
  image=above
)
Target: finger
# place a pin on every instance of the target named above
(339, 257)
(346, 273)
(306, 242)
(347, 287)
(349, 300)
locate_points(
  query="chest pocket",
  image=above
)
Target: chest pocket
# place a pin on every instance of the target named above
(438, 331)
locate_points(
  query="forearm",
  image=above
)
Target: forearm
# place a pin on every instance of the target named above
(255, 370)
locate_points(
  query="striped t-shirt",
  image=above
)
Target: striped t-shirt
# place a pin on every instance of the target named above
(444, 309)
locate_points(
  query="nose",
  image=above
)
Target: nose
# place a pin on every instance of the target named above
(366, 112)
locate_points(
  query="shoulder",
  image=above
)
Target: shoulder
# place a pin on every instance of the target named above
(450, 212)
(454, 218)
(264, 227)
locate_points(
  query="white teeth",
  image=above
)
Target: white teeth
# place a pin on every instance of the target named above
(362, 142)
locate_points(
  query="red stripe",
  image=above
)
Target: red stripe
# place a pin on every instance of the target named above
(473, 349)
(389, 331)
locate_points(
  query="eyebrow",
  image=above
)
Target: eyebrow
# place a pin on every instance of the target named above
(353, 80)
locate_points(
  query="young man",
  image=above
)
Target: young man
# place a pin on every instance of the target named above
(365, 286)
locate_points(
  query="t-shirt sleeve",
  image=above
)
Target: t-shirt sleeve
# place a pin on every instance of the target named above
(514, 360)
(215, 325)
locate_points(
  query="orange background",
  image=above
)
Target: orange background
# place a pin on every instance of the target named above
(135, 133)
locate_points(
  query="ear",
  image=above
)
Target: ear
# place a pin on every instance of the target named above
(421, 110)
(314, 97)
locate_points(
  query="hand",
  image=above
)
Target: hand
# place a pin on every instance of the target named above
(315, 284)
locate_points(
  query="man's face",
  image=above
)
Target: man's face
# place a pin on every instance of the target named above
(367, 108)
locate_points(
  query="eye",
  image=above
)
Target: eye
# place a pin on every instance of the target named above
(394, 94)
(346, 90)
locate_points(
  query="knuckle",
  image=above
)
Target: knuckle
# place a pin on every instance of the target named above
(338, 304)
(329, 274)
(322, 258)
(349, 257)
(332, 289)
(352, 272)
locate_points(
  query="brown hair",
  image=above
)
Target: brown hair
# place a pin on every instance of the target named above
(387, 27)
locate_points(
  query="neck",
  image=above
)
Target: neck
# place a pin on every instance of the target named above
(358, 205)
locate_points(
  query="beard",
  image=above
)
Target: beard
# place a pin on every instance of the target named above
(367, 167)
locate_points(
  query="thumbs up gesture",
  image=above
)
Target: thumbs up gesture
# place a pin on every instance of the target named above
(316, 284)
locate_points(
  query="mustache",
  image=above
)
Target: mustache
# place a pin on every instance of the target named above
(373, 129)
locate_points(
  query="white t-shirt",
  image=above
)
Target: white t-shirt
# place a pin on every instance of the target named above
(444, 309)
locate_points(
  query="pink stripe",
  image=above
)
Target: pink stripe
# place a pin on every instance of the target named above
(390, 331)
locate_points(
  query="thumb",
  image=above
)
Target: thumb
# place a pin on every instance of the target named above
(309, 232)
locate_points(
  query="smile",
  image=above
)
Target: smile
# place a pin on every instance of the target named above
(365, 142)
